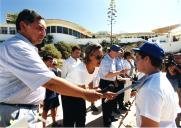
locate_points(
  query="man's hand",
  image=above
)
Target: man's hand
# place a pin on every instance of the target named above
(172, 69)
(109, 95)
(91, 95)
(147, 122)
(124, 71)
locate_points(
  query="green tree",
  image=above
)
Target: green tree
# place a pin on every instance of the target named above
(48, 39)
(11, 18)
(64, 48)
(50, 49)
(105, 44)
(112, 16)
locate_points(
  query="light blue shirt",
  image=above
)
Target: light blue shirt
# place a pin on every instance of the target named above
(120, 65)
(108, 65)
(22, 72)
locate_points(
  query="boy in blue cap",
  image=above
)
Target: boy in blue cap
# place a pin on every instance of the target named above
(156, 101)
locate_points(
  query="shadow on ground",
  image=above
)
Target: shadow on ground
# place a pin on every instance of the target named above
(98, 122)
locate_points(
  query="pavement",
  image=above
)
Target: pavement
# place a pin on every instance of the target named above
(94, 119)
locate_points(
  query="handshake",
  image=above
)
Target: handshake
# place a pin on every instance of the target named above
(93, 95)
(124, 71)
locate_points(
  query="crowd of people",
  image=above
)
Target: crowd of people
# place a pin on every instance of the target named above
(26, 80)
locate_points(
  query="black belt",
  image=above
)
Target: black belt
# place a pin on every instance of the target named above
(27, 106)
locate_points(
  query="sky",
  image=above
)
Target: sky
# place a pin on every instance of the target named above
(132, 15)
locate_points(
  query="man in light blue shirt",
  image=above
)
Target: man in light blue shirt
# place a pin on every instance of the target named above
(108, 73)
(23, 73)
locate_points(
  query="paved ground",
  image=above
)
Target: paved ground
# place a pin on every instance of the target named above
(94, 119)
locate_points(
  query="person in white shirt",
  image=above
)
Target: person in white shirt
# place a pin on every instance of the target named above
(70, 63)
(120, 64)
(74, 109)
(24, 76)
(130, 65)
(156, 101)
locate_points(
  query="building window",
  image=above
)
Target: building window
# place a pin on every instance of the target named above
(48, 30)
(59, 29)
(53, 29)
(70, 32)
(78, 34)
(74, 33)
(12, 30)
(65, 30)
(3, 30)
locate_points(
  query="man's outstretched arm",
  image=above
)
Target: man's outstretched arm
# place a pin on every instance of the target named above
(64, 87)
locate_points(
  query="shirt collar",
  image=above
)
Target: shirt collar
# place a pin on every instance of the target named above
(74, 59)
(20, 36)
(108, 57)
(23, 38)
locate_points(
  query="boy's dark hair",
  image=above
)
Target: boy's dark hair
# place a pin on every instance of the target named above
(47, 57)
(28, 16)
(126, 54)
(154, 61)
(75, 48)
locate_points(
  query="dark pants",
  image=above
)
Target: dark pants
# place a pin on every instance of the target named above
(74, 111)
(107, 107)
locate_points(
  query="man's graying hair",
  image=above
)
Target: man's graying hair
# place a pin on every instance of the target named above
(90, 49)
(28, 16)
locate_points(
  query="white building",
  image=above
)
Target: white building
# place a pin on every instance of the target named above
(6, 31)
(170, 41)
(69, 32)
(61, 30)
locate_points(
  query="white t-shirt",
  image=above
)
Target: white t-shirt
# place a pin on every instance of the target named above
(22, 72)
(69, 65)
(80, 75)
(158, 101)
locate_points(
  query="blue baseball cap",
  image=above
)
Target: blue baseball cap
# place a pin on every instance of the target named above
(151, 49)
(115, 48)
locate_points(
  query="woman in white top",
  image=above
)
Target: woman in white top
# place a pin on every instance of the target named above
(74, 109)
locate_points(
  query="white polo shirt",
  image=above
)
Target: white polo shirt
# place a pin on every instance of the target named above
(158, 101)
(80, 75)
(22, 72)
(68, 65)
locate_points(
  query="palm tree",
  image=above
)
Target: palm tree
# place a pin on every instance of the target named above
(112, 15)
